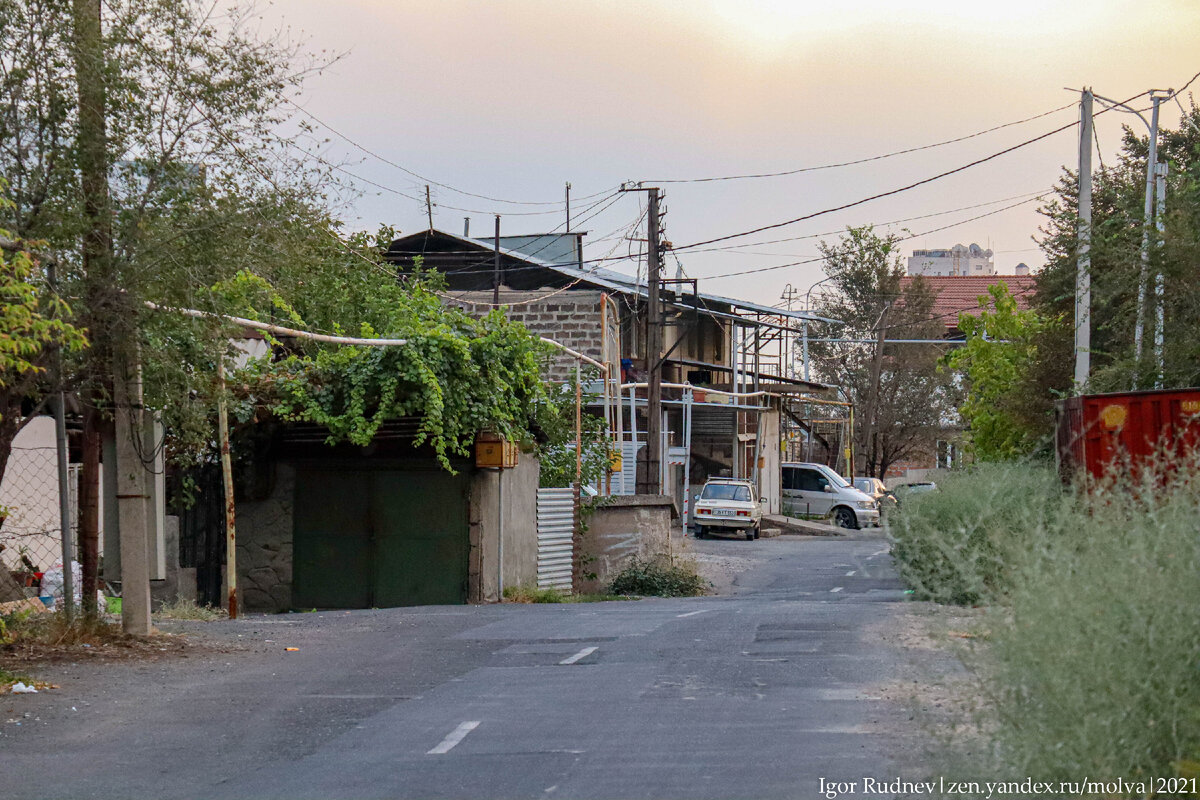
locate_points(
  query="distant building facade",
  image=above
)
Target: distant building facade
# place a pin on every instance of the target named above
(959, 260)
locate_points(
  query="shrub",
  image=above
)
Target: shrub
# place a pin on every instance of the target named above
(1097, 672)
(659, 578)
(526, 593)
(960, 543)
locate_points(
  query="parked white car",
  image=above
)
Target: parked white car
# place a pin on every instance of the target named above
(816, 490)
(728, 505)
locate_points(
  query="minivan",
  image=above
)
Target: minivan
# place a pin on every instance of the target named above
(816, 490)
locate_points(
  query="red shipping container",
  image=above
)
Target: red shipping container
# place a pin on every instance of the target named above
(1123, 431)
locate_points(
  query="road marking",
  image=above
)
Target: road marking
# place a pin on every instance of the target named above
(584, 653)
(836, 589)
(456, 736)
(850, 574)
(693, 613)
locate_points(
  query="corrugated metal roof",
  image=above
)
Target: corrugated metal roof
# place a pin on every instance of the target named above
(613, 280)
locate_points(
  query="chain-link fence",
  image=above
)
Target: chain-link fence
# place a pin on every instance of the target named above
(31, 533)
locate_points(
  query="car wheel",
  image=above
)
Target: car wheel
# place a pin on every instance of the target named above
(757, 531)
(700, 532)
(845, 518)
(749, 534)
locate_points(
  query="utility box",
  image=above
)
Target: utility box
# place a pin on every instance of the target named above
(1120, 433)
(493, 451)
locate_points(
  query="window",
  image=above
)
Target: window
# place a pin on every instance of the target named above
(809, 480)
(726, 491)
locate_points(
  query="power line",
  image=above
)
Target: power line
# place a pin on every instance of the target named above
(888, 193)
(900, 239)
(869, 159)
(424, 179)
(733, 248)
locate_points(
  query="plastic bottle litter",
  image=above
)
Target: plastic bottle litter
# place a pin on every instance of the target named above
(21, 688)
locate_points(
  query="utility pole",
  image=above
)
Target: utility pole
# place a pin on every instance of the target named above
(429, 206)
(789, 296)
(1148, 216)
(1083, 276)
(1161, 191)
(568, 228)
(654, 346)
(872, 410)
(106, 307)
(496, 267)
(650, 478)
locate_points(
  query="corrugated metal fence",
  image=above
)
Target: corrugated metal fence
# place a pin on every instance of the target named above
(556, 537)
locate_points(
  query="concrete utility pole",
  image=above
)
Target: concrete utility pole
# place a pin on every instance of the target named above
(132, 494)
(106, 305)
(1161, 191)
(1148, 215)
(1083, 271)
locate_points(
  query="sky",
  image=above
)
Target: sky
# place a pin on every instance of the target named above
(509, 101)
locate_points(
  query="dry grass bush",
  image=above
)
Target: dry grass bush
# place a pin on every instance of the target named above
(1092, 664)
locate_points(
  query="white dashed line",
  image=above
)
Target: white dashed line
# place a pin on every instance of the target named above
(693, 613)
(456, 736)
(584, 653)
(851, 573)
(836, 589)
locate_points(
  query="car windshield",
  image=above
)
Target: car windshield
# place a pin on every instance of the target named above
(726, 491)
(834, 478)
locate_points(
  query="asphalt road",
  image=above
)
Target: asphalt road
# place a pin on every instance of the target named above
(756, 694)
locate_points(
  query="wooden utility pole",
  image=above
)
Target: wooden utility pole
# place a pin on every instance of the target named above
(654, 345)
(429, 206)
(496, 267)
(1083, 269)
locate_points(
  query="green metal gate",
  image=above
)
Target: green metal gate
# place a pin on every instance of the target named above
(376, 538)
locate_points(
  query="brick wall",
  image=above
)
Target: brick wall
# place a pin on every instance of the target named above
(571, 318)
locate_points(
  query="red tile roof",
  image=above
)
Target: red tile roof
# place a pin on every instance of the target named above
(960, 293)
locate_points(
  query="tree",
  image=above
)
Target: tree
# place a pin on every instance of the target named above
(34, 328)
(1006, 417)
(901, 396)
(1117, 222)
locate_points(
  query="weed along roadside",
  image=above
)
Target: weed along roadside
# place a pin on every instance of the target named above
(1083, 656)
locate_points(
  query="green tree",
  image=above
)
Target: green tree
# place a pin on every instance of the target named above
(34, 328)
(901, 415)
(1004, 417)
(1117, 221)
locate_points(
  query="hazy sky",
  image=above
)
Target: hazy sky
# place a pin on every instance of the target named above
(512, 98)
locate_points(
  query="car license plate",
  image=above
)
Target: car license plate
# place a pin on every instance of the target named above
(723, 512)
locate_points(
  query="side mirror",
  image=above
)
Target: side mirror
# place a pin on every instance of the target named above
(827, 488)
(695, 497)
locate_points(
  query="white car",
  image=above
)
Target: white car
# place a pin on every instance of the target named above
(816, 490)
(728, 505)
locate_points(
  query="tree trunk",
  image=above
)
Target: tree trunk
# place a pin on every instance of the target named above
(89, 507)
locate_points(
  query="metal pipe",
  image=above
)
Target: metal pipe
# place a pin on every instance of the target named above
(227, 482)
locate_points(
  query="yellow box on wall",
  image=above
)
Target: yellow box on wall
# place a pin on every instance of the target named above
(495, 452)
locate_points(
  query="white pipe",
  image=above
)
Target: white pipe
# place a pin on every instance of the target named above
(279, 329)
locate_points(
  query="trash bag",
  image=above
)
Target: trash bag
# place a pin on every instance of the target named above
(52, 582)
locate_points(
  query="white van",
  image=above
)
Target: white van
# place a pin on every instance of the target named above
(816, 490)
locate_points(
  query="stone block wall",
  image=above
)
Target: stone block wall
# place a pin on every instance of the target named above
(571, 318)
(264, 546)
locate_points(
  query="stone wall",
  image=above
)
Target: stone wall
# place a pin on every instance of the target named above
(264, 546)
(626, 526)
(571, 318)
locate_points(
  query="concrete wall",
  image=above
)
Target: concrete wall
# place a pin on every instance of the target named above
(503, 504)
(627, 526)
(264, 546)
